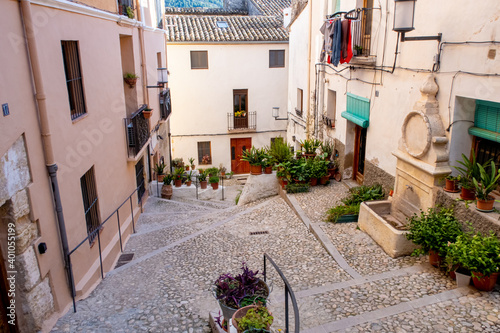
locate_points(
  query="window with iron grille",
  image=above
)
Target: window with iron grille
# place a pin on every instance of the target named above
(74, 81)
(276, 58)
(199, 59)
(90, 203)
(204, 153)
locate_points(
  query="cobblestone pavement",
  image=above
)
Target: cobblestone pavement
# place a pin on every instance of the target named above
(180, 248)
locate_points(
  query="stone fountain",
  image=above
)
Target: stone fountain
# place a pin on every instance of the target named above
(422, 162)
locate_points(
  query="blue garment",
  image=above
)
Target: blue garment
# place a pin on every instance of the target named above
(337, 43)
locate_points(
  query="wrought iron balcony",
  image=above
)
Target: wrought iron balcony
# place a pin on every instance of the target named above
(246, 122)
(136, 131)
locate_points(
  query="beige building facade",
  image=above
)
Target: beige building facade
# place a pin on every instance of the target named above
(77, 146)
(229, 75)
(385, 76)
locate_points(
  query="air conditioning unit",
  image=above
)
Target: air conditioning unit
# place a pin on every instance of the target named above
(130, 135)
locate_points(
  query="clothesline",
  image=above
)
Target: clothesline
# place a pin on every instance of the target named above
(338, 40)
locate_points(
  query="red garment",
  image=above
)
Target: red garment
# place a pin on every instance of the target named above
(346, 54)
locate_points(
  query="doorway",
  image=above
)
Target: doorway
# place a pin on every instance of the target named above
(359, 155)
(238, 146)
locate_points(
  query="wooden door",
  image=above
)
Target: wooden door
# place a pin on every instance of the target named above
(358, 168)
(238, 146)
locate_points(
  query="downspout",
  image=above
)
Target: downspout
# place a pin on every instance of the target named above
(309, 64)
(145, 93)
(41, 107)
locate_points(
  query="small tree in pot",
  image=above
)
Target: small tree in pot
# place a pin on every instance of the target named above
(484, 186)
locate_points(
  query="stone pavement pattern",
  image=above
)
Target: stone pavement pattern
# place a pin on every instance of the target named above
(180, 248)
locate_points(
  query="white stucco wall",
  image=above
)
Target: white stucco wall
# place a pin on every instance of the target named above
(398, 92)
(202, 98)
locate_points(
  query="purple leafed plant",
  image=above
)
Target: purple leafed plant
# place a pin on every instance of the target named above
(230, 290)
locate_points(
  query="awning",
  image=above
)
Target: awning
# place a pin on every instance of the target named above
(358, 120)
(485, 134)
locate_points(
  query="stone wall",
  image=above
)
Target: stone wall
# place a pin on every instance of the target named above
(34, 299)
(374, 174)
(482, 222)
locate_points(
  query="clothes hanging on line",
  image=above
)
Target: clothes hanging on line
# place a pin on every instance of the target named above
(337, 41)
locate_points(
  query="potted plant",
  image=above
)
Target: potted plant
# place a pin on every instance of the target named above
(147, 113)
(166, 189)
(451, 184)
(333, 168)
(130, 79)
(487, 183)
(280, 151)
(254, 156)
(214, 182)
(178, 173)
(191, 162)
(203, 178)
(252, 318)
(433, 230)
(177, 163)
(212, 171)
(130, 12)
(189, 179)
(283, 175)
(322, 168)
(222, 170)
(349, 211)
(467, 172)
(358, 50)
(309, 147)
(328, 148)
(159, 169)
(229, 175)
(231, 290)
(480, 255)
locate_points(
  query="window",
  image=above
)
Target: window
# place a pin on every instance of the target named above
(90, 203)
(74, 82)
(276, 58)
(222, 24)
(199, 59)
(486, 131)
(204, 153)
(300, 101)
(331, 107)
(240, 97)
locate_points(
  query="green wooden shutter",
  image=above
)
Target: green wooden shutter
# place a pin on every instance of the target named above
(357, 110)
(486, 121)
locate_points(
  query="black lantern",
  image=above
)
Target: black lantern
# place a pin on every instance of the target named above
(162, 78)
(276, 113)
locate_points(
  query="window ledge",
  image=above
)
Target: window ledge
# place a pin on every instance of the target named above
(362, 60)
(242, 130)
(76, 120)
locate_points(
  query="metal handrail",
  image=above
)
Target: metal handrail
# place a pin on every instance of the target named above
(97, 231)
(288, 291)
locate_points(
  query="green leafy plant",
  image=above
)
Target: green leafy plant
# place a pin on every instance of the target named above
(237, 199)
(280, 151)
(475, 252)
(309, 146)
(334, 213)
(257, 317)
(159, 168)
(487, 181)
(191, 162)
(328, 147)
(252, 300)
(214, 171)
(213, 179)
(130, 12)
(364, 193)
(178, 163)
(202, 175)
(255, 156)
(297, 188)
(222, 168)
(178, 173)
(167, 180)
(468, 170)
(130, 76)
(432, 230)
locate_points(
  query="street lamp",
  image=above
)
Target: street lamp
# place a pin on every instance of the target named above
(404, 19)
(162, 78)
(276, 113)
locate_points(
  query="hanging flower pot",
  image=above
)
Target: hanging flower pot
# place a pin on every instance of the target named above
(484, 283)
(130, 79)
(147, 113)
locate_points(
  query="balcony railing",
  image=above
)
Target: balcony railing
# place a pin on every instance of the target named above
(248, 122)
(361, 33)
(136, 131)
(165, 104)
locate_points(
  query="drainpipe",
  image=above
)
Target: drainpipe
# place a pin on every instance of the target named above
(41, 106)
(145, 93)
(309, 64)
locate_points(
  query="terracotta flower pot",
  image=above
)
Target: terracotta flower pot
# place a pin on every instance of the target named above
(203, 184)
(324, 180)
(255, 169)
(147, 113)
(189, 183)
(240, 313)
(268, 170)
(283, 183)
(215, 186)
(485, 205)
(332, 172)
(434, 258)
(159, 178)
(178, 182)
(131, 82)
(166, 191)
(187, 167)
(314, 181)
(468, 194)
(484, 283)
(451, 186)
